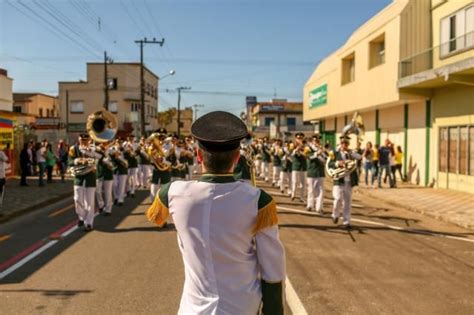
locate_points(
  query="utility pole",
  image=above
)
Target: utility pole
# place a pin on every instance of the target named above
(196, 106)
(142, 79)
(179, 107)
(107, 59)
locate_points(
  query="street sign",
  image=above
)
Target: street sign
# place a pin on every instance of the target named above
(272, 107)
(318, 96)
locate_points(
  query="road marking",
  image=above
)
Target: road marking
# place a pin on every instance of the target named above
(292, 299)
(5, 237)
(392, 227)
(60, 211)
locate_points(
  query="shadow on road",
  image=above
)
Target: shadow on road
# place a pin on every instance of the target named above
(53, 293)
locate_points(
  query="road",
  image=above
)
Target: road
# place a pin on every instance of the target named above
(392, 262)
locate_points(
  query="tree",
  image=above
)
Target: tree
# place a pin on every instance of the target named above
(166, 117)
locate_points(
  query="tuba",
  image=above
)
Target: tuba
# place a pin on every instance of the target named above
(356, 126)
(101, 127)
(157, 155)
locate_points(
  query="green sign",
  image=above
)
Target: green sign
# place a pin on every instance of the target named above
(76, 127)
(318, 96)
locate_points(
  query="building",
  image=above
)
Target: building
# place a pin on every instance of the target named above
(277, 118)
(79, 99)
(169, 120)
(393, 70)
(34, 106)
(6, 95)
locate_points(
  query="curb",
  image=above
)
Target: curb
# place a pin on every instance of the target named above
(7, 217)
(418, 210)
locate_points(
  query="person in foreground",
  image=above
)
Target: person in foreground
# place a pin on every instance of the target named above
(227, 230)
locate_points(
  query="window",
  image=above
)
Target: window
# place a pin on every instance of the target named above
(77, 107)
(17, 109)
(268, 121)
(456, 150)
(348, 69)
(41, 112)
(113, 107)
(291, 121)
(457, 31)
(377, 51)
(112, 83)
(135, 107)
(47, 112)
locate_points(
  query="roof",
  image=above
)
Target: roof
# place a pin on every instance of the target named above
(26, 96)
(124, 64)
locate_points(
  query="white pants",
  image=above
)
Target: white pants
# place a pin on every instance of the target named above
(143, 174)
(285, 176)
(84, 200)
(154, 190)
(120, 182)
(104, 194)
(264, 171)
(276, 175)
(298, 180)
(315, 193)
(189, 176)
(342, 197)
(258, 166)
(132, 179)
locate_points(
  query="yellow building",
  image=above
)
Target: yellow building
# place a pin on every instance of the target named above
(168, 119)
(6, 96)
(79, 99)
(390, 71)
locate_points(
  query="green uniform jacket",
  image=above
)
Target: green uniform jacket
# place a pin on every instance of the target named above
(266, 157)
(298, 163)
(141, 160)
(242, 169)
(132, 161)
(88, 180)
(160, 177)
(276, 159)
(333, 165)
(119, 169)
(103, 172)
(315, 168)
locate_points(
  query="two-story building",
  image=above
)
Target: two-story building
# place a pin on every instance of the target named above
(169, 120)
(79, 99)
(391, 71)
(6, 95)
(277, 118)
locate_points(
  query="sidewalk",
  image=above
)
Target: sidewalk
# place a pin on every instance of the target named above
(446, 205)
(18, 200)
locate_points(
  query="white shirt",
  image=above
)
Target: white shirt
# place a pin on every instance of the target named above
(223, 259)
(40, 155)
(3, 164)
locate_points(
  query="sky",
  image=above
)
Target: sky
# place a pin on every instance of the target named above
(223, 49)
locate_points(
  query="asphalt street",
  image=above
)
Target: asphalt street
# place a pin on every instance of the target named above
(393, 262)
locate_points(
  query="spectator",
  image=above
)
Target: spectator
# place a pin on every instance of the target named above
(25, 164)
(375, 160)
(62, 159)
(359, 151)
(41, 161)
(398, 163)
(50, 162)
(3, 166)
(393, 182)
(368, 156)
(384, 163)
(34, 164)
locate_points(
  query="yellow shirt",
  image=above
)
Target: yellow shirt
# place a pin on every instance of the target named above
(398, 158)
(375, 155)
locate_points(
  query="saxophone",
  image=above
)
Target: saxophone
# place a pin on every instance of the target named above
(156, 153)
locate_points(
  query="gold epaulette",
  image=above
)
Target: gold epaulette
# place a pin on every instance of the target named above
(157, 213)
(266, 217)
(72, 152)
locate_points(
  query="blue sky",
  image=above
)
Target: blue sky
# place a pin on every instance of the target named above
(223, 49)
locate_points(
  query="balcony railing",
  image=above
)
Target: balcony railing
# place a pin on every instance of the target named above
(424, 60)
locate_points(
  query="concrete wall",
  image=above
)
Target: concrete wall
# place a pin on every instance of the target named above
(6, 96)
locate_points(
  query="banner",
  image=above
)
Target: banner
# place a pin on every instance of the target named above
(318, 96)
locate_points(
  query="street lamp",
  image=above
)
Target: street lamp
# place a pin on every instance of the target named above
(172, 72)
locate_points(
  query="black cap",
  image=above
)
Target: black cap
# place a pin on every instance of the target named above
(219, 131)
(161, 131)
(316, 136)
(346, 138)
(84, 136)
(299, 135)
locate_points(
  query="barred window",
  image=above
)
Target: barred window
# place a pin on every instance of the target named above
(456, 150)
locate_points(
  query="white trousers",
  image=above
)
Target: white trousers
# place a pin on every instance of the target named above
(264, 170)
(104, 194)
(84, 200)
(342, 198)
(120, 182)
(154, 190)
(258, 166)
(315, 193)
(276, 175)
(132, 179)
(143, 174)
(189, 176)
(298, 181)
(284, 177)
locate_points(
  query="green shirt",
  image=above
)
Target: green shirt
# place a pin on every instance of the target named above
(242, 169)
(298, 162)
(87, 180)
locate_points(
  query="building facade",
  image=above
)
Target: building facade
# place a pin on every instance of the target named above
(169, 120)
(6, 88)
(277, 118)
(391, 71)
(79, 99)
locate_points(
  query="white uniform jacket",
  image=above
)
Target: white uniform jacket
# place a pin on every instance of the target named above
(228, 237)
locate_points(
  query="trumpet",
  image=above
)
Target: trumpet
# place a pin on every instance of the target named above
(156, 153)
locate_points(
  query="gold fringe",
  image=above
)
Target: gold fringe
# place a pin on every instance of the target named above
(158, 213)
(266, 217)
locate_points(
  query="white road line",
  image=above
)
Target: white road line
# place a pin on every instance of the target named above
(23, 261)
(392, 227)
(293, 300)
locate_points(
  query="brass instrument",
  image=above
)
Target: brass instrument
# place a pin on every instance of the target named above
(157, 154)
(356, 126)
(101, 127)
(248, 153)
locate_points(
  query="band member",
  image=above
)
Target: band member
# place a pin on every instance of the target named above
(120, 172)
(285, 174)
(277, 155)
(144, 166)
(178, 167)
(244, 169)
(298, 167)
(266, 159)
(82, 157)
(163, 176)
(130, 154)
(190, 157)
(258, 156)
(224, 226)
(342, 189)
(105, 181)
(316, 160)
